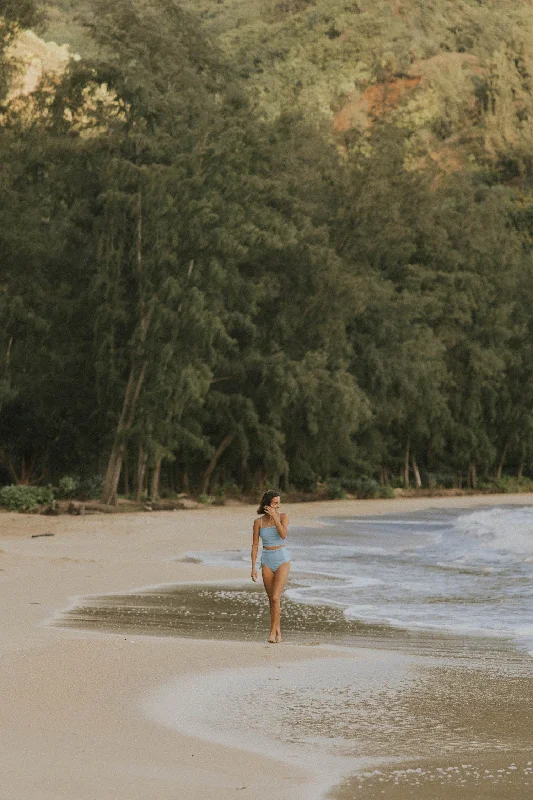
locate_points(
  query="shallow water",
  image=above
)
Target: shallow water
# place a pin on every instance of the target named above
(444, 571)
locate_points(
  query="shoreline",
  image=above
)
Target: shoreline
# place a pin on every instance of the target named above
(72, 718)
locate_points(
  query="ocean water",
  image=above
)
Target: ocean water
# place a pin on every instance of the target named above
(465, 573)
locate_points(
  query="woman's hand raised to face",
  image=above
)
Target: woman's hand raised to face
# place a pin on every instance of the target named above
(273, 512)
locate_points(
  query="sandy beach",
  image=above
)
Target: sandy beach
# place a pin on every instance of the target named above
(85, 714)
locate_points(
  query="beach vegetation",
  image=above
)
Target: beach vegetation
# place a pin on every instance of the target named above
(67, 487)
(335, 490)
(207, 499)
(26, 498)
(90, 487)
(507, 484)
(248, 244)
(367, 488)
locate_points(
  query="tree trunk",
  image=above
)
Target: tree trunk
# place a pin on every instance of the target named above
(27, 466)
(127, 417)
(156, 476)
(472, 475)
(224, 444)
(7, 360)
(9, 464)
(114, 468)
(406, 464)
(501, 462)
(8, 351)
(135, 381)
(429, 455)
(26, 469)
(172, 477)
(126, 474)
(141, 472)
(416, 473)
(520, 470)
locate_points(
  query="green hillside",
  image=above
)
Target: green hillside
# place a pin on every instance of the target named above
(455, 74)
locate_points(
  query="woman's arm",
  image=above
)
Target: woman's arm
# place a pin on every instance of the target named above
(280, 521)
(255, 548)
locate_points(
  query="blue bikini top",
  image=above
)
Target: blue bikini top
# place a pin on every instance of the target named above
(270, 536)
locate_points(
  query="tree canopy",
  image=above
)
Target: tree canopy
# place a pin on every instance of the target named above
(208, 286)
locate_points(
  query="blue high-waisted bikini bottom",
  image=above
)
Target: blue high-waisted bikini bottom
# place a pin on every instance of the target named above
(275, 558)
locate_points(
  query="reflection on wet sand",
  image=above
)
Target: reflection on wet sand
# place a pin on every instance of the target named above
(235, 612)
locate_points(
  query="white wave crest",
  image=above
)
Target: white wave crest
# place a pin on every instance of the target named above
(504, 529)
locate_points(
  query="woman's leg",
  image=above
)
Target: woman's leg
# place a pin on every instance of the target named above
(268, 583)
(280, 579)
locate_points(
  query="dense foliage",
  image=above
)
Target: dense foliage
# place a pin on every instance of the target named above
(25, 498)
(205, 289)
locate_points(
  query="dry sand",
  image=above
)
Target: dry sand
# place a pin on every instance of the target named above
(73, 711)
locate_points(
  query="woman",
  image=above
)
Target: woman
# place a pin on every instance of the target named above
(272, 527)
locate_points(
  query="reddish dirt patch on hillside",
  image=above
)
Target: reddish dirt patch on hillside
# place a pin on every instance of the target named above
(377, 100)
(382, 98)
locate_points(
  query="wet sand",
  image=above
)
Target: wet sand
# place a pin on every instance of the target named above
(471, 728)
(479, 777)
(236, 611)
(461, 705)
(81, 715)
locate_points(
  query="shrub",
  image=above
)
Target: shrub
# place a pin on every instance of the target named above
(90, 488)
(368, 488)
(303, 478)
(26, 498)
(442, 480)
(67, 487)
(228, 489)
(206, 499)
(335, 490)
(507, 484)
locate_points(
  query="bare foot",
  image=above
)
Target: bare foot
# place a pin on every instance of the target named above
(278, 637)
(272, 638)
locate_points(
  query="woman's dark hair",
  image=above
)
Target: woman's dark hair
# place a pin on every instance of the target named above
(267, 498)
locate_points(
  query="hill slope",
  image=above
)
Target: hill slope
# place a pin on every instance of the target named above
(456, 75)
